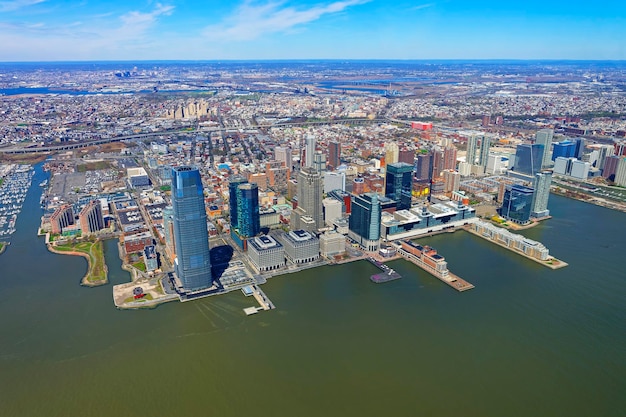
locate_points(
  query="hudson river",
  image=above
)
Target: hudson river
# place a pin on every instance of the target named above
(527, 341)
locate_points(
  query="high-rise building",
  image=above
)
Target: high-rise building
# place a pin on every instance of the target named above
(528, 158)
(423, 166)
(581, 143)
(193, 260)
(449, 157)
(248, 217)
(334, 181)
(541, 195)
(604, 151)
(437, 162)
(233, 183)
(391, 153)
(62, 218)
(364, 222)
(283, 154)
(544, 137)
(620, 172)
(610, 167)
(517, 204)
(485, 144)
(310, 192)
(472, 143)
(407, 156)
(451, 181)
(319, 162)
(90, 217)
(334, 155)
(565, 149)
(399, 184)
(309, 151)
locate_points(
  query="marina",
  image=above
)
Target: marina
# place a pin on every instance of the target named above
(16, 180)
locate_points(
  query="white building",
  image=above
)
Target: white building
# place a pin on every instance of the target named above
(266, 253)
(332, 243)
(332, 210)
(580, 169)
(334, 181)
(301, 246)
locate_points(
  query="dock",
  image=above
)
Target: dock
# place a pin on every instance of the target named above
(264, 302)
(386, 275)
(427, 258)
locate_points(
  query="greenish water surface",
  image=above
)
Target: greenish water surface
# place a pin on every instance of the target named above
(527, 341)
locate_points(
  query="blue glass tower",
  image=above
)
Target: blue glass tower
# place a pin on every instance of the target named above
(528, 159)
(248, 215)
(517, 204)
(193, 260)
(399, 184)
(566, 149)
(232, 199)
(364, 222)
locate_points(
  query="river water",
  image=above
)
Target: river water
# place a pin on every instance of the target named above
(527, 341)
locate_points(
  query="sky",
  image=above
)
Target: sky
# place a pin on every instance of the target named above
(68, 30)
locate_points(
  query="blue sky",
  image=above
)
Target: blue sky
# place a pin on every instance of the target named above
(44, 30)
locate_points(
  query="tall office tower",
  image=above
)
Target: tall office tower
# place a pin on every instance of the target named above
(449, 157)
(528, 158)
(309, 151)
(319, 162)
(399, 184)
(193, 260)
(283, 154)
(517, 204)
(544, 137)
(581, 143)
(485, 144)
(541, 194)
(310, 192)
(610, 167)
(437, 163)
(620, 172)
(248, 217)
(565, 149)
(423, 167)
(391, 153)
(61, 218)
(334, 181)
(472, 143)
(604, 151)
(620, 148)
(407, 156)
(233, 183)
(451, 180)
(90, 217)
(364, 221)
(334, 155)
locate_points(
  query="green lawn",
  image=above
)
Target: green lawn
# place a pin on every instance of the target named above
(95, 250)
(140, 266)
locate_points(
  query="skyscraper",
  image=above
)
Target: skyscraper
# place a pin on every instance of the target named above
(319, 162)
(334, 154)
(248, 217)
(541, 194)
(544, 137)
(283, 154)
(232, 199)
(62, 218)
(485, 144)
(310, 192)
(517, 204)
(309, 151)
(472, 142)
(193, 260)
(399, 184)
(438, 156)
(565, 149)
(449, 157)
(528, 158)
(90, 217)
(391, 153)
(423, 166)
(364, 222)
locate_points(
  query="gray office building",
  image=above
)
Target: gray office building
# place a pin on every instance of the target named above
(265, 253)
(301, 246)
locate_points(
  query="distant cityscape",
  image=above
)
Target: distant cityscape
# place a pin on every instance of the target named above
(216, 177)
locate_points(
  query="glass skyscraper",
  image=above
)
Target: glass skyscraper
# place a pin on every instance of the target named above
(528, 159)
(517, 204)
(232, 199)
(364, 222)
(399, 184)
(193, 260)
(248, 217)
(541, 194)
(544, 137)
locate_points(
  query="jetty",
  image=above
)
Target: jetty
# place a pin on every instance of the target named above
(430, 261)
(386, 275)
(264, 302)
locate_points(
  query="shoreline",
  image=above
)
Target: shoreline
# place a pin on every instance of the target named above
(85, 279)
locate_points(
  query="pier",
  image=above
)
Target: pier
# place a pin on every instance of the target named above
(430, 261)
(387, 275)
(264, 302)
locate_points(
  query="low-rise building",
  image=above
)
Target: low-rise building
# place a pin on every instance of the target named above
(301, 246)
(265, 253)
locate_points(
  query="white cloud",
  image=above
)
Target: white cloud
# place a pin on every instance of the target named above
(252, 20)
(9, 6)
(422, 6)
